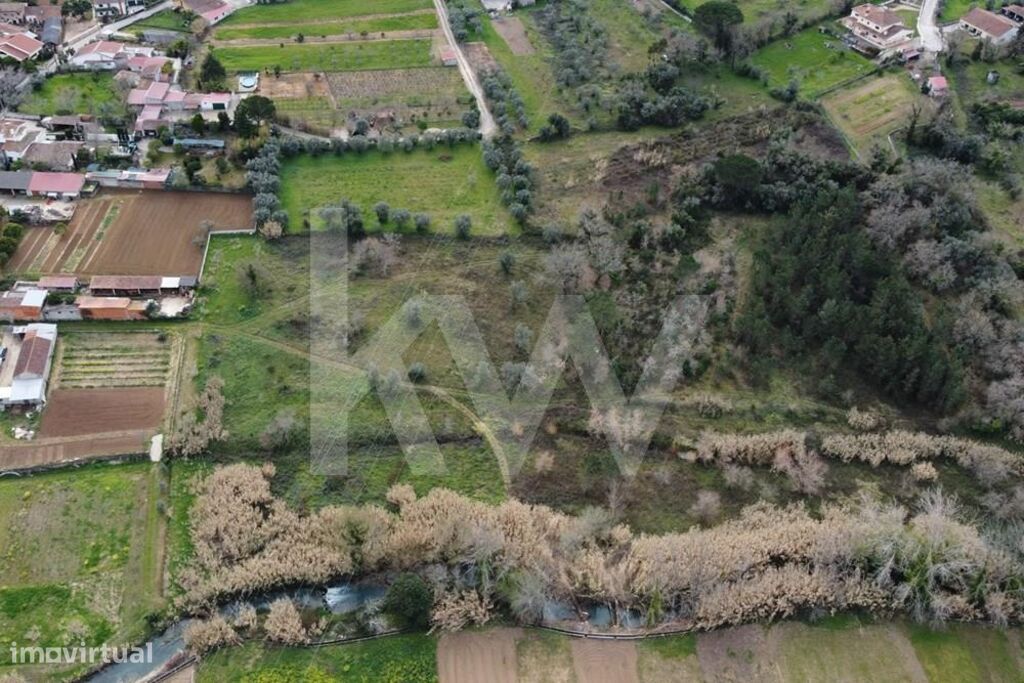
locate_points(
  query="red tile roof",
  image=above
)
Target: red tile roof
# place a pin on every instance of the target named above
(33, 355)
(883, 16)
(125, 282)
(994, 25)
(102, 302)
(58, 282)
(63, 183)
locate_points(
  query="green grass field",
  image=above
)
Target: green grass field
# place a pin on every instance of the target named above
(405, 659)
(629, 32)
(969, 81)
(85, 93)
(839, 648)
(754, 10)
(378, 54)
(78, 553)
(406, 22)
(807, 58)
(318, 10)
(167, 20)
(868, 111)
(954, 9)
(443, 182)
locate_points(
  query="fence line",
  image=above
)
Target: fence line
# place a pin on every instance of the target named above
(848, 82)
(180, 666)
(206, 248)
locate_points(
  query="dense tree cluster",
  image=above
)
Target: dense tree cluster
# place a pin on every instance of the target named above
(201, 426)
(818, 283)
(579, 40)
(637, 106)
(464, 18)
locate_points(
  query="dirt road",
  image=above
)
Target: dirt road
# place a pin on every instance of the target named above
(487, 126)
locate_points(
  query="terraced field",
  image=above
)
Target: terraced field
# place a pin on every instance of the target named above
(90, 361)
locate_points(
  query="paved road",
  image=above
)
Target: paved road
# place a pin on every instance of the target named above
(931, 35)
(104, 30)
(487, 126)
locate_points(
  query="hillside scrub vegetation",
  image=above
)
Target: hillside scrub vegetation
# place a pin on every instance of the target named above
(482, 560)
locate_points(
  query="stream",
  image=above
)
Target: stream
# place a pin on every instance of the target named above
(340, 599)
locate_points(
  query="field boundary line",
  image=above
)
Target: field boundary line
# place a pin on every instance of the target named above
(847, 83)
(206, 248)
(74, 463)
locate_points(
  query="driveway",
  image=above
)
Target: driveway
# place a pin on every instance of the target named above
(487, 125)
(931, 35)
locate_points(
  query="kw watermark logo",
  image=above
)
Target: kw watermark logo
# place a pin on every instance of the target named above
(81, 654)
(506, 406)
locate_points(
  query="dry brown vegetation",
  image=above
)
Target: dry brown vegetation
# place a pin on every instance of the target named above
(193, 434)
(788, 452)
(768, 563)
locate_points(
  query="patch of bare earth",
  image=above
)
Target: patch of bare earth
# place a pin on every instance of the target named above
(480, 57)
(514, 34)
(605, 661)
(632, 169)
(738, 655)
(74, 412)
(294, 86)
(471, 656)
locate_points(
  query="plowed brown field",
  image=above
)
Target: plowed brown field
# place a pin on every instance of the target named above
(131, 232)
(71, 412)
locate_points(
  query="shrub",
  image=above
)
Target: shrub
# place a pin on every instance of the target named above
(284, 623)
(417, 373)
(409, 601)
(463, 226)
(201, 636)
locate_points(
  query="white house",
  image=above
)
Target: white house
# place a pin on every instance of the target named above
(107, 55)
(31, 366)
(981, 23)
(109, 9)
(878, 27)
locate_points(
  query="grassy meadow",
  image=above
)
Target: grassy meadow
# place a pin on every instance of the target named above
(808, 58)
(79, 555)
(403, 22)
(868, 111)
(443, 183)
(840, 648)
(166, 20)
(299, 11)
(86, 93)
(378, 54)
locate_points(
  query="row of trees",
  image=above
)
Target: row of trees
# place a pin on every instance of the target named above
(263, 175)
(347, 217)
(795, 453)
(514, 175)
(515, 558)
(291, 146)
(506, 103)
